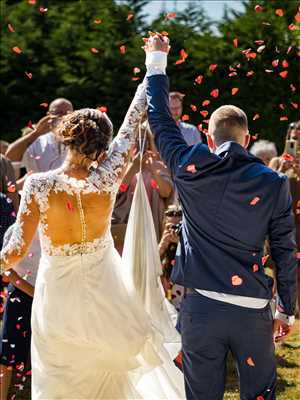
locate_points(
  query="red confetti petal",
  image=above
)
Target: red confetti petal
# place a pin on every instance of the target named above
(275, 63)
(122, 49)
(205, 103)
(29, 124)
(17, 50)
(123, 187)
(185, 117)
(255, 267)
(191, 168)
(284, 118)
(171, 15)
(236, 280)
(45, 105)
(283, 74)
(279, 12)
(98, 21)
(94, 50)
(204, 113)
(212, 67)
(102, 109)
(193, 107)
(289, 50)
(258, 8)
(292, 27)
(154, 184)
(285, 64)
(252, 54)
(254, 137)
(43, 10)
(183, 57)
(250, 362)
(173, 263)
(18, 326)
(297, 17)
(259, 42)
(254, 201)
(235, 42)
(264, 259)
(261, 49)
(234, 91)
(298, 255)
(260, 398)
(250, 73)
(28, 74)
(293, 88)
(214, 93)
(31, 2)
(130, 17)
(136, 70)
(256, 116)
(295, 105)
(135, 78)
(199, 79)
(10, 28)
(70, 206)
(282, 106)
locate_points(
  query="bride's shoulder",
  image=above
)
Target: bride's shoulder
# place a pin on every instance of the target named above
(39, 181)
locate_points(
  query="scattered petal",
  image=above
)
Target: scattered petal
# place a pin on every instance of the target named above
(154, 184)
(122, 49)
(45, 105)
(191, 168)
(235, 42)
(31, 2)
(205, 103)
(256, 116)
(136, 70)
(212, 67)
(284, 74)
(287, 157)
(250, 73)
(295, 105)
(102, 109)
(214, 93)
(250, 362)
(183, 57)
(43, 10)
(17, 50)
(193, 107)
(261, 49)
(284, 118)
(29, 125)
(289, 49)
(269, 71)
(264, 259)
(293, 87)
(204, 113)
(260, 398)
(297, 16)
(28, 74)
(255, 267)
(258, 8)
(199, 79)
(254, 201)
(70, 206)
(259, 42)
(97, 21)
(298, 255)
(135, 78)
(254, 137)
(279, 12)
(185, 117)
(123, 187)
(234, 91)
(94, 50)
(10, 28)
(236, 280)
(292, 27)
(171, 15)
(285, 64)
(282, 106)
(275, 63)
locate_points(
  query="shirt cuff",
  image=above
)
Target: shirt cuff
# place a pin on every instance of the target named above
(156, 63)
(287, 319)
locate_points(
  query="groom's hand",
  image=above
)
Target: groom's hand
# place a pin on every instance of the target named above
(156, 42)
(280, 330)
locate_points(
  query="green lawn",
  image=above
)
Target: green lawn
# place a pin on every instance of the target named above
(288, 357)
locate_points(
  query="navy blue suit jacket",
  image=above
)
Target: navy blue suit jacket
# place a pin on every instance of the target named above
(231, 203)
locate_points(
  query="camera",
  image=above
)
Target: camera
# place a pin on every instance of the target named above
(177, 228)
(292, 147)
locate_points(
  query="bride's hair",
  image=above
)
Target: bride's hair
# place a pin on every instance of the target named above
(87, 131)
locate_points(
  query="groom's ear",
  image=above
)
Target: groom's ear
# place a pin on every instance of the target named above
(247, 140)
(210, 142)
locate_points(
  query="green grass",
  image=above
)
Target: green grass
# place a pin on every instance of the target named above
(288, 361)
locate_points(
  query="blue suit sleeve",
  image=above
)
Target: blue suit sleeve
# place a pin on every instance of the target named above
(170, 143)
(283, 248)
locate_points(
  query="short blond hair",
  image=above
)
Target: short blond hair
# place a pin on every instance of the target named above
(228, 123)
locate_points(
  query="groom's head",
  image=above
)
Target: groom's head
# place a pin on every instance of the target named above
(228, 123)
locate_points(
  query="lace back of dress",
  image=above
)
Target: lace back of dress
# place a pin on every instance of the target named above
(82, 223)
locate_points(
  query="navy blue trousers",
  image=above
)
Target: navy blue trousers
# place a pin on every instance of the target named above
(211, 329)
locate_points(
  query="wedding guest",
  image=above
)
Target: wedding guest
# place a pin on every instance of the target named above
(158, 184)
(265, 150)
(167, 250)
(290, 166)
(189, 132)
(39, 150)
(3, 146)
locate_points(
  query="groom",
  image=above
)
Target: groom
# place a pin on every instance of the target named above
(231, 203)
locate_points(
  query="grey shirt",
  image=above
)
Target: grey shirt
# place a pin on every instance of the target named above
(190, 133)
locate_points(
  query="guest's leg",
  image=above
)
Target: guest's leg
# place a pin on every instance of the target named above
(252, 347)
(205, 349)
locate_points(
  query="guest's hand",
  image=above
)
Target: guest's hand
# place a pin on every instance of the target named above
(156, 42)
(280, 330)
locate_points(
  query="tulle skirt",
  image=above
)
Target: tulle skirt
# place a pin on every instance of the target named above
(91, 337)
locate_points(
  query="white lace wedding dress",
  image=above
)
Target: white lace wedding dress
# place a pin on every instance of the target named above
(91, 337)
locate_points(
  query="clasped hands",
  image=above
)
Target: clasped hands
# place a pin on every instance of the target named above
(156, 42)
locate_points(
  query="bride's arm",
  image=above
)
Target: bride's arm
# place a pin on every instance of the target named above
(122, 143)
(23, 229)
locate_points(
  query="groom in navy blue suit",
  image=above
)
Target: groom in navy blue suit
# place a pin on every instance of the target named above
(231, 203)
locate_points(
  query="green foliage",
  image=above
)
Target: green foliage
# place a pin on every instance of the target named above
(57, 51)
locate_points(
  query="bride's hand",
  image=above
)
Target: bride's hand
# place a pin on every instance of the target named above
(156, 42)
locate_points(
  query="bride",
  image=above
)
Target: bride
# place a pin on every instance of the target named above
(91, 337)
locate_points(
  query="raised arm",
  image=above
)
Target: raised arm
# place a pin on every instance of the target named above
(23, 229)
(122, 143)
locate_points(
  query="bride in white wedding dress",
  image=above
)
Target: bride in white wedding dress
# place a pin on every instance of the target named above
(91, 336)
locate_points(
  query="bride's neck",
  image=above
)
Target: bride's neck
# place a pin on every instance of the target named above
(76, 163)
